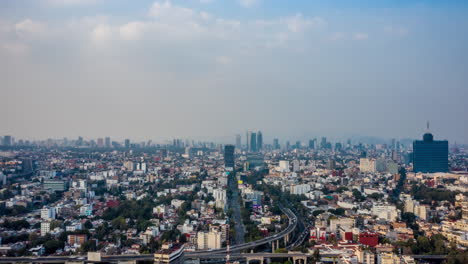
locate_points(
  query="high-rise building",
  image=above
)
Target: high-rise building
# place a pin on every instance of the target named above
(108, 142)
(48, 213)
(7, 141)
(229, 157)
(259, 141)
(323, 143)
(45, 228)
(284, 166)
(79, 142)
(312, 144)
(430, 155)
(276, 144)
(127, 143)
(238, 142)
(253, 142)
(100, 142)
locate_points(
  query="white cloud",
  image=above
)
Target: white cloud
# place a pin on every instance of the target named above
(14, 48)
(396, 30)
(28, 27)
(248, 3)
(101, 33)
(132, 30)
(71, 2)
(223, 60)
(360, 36)
(336, 36)
(299, 23)
(167, 11)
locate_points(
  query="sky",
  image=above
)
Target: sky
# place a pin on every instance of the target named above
(211, 69)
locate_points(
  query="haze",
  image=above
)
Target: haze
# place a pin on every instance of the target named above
(212, 69)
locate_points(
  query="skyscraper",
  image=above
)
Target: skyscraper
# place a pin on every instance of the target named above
(248, 139)
(253, 142)
(311, 144)
(108, 142)
(259, 141)
(229, 157)
(79, 142)
(7, 141)
(127, 143)
(323, 143)
(100, 142)
(430, 155)
(276, 144)
(238, 142)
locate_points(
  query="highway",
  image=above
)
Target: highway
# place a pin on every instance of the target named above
(236, 209)
(292, 225)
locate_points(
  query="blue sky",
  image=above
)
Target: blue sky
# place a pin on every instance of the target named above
(210, 69)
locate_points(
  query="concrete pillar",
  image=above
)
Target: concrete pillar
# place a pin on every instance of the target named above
(277, 244)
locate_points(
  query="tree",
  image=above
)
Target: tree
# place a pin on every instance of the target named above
(52, 245)
(88, 224)
(281, 250)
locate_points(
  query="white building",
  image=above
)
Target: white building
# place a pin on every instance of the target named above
(386, 212)
(209, 240)
(345, 223)
(45, 228)
(367, 165)
(296, 165)
(284, 166)
(48, 213)
(300, 189)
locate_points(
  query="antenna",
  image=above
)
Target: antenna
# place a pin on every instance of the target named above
(428, 125)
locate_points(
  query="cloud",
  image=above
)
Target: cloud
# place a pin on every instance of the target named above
(167, 11)
(336, 36)
(14, 48)
(132, 30)
(223, 60)
(396, 30)
(28, 27)
(299, 23)
(101, 33)
(248, 3)
(360, 36)
(71, 2)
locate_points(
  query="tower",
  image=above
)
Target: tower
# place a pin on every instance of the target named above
(238, 142)
(229, 162)
(430, 155)
(259, 141)
(252, 141)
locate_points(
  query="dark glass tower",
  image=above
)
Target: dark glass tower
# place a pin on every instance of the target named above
(430, 155)
(229, 156)
(253, 142)
(259, 141)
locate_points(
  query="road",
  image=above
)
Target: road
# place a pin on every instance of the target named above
(235, 206)
(292, 225)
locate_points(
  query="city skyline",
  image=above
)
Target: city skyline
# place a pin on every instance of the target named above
(202, 69)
